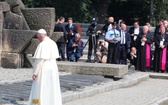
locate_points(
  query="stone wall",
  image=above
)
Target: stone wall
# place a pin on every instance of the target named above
(38, 18)
(18, 26)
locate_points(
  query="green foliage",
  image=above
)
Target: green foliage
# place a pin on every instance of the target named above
(85, 10)
(161, 9)
(28, 3)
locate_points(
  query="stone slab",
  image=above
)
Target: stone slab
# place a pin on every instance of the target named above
(1, 27)
(11, 60)
(16, 40)
(38, 18)
(5, 6)
(13, 21)
(17, 11)
(14, 3)
(57, 36)
(93, 68)
(32, 46)
(158, 75)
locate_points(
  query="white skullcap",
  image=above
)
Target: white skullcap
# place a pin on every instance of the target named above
(41, 31)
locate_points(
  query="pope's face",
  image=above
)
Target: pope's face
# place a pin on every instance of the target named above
(40, 38)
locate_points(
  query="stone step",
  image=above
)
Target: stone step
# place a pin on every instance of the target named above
(90, 69)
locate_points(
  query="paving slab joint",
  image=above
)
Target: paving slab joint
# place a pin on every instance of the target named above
(105, 87)
(163, 101)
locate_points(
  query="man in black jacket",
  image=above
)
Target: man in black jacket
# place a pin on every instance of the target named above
(124, 45)
(94, 31)
(71, 31)
(135, 31)
(59, 27)
(108, 26)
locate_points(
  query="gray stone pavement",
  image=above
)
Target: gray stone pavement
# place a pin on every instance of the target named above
(144, 93)
(15, 87)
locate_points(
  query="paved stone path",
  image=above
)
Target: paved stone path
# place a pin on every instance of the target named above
(145, 93)
(20, 91)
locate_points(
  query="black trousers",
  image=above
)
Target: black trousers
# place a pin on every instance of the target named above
(61, 49)
(122, 54)
(92, 45)
(112, 53)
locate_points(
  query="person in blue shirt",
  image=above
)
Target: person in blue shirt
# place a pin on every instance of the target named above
(113, 38)
(75, 48)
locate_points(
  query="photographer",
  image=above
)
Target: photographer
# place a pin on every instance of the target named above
(93, 32)
(102, 50)
(75, 48)
(133, 57)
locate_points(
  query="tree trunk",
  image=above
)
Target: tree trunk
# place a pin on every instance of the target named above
(102, 10)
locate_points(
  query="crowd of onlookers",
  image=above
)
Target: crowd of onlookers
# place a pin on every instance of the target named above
(115, 44)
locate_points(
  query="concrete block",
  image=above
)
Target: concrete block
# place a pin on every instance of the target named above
(67, 98)
(93, 69)
(56, 36)
(11, 60)
(17, 11)
(32, 46)
(38, 18)
(14, 3)
(5, 6)
(75, 96)
(1, 27)
(16, 40)
(13, 21)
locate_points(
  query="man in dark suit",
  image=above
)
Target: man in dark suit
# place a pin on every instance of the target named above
(59, 27)
(71, 31)
(124, 45)
(135, 31)
(108, 26)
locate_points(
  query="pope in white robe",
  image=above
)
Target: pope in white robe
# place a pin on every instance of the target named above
(46, 85)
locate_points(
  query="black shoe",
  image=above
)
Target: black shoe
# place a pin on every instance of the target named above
(129, 65)
(88, 60)
(76, 59)
(59, 59)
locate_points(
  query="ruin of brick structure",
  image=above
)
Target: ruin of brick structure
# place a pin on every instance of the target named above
(18, 26)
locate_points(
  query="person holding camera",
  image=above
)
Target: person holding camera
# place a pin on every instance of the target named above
(133, 57)
(102, 50)
(94, 31)
(75, 48)
(71, 30)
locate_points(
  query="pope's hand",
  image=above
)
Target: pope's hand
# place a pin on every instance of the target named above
(34, 77)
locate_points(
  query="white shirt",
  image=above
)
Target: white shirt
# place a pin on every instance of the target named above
(109, 27)
(136, 31)
(122, 37)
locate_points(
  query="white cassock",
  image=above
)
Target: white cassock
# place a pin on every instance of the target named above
(46, 88)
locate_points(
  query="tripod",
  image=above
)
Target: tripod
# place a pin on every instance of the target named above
(93, 40)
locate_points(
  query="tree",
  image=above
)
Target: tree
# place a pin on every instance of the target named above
(160, 10)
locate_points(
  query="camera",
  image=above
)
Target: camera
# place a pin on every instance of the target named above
(100, 42)
(76, 48)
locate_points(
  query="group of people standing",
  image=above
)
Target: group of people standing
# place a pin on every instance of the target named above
(137, 44)
(71, 39)
(114, 43)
